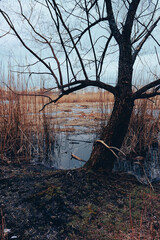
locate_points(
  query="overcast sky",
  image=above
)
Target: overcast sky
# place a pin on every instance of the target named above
(146, 66)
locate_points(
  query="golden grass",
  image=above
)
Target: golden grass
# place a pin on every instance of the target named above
(83, 97)
(20, 119)
(143, 129)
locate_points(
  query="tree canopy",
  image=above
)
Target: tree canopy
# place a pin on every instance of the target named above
(79, 41)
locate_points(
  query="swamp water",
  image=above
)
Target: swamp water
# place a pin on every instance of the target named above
(80, 141)
(81, 146)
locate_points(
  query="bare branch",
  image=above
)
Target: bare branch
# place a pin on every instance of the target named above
(130, 18)
(46, 41)
(81, 85)
(146, 26)
(60, 17)
(5, 34)
(90, 26)
(158, 59)
(142, 91)
(91, 40)
(61, 39)
(32, 73)
(139, 47)
(8, 20)
(103, 55)
(149, 95)
(34, 63)
(112, 22)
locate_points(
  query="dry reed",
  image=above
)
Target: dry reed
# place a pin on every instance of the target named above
(143, 129)
(24, 132)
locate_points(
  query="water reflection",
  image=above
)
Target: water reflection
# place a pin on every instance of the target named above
(67, 143)
(80, 141)
(148, 170)
(80, 144)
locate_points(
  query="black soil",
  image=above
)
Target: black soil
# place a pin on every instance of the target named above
(41, 203)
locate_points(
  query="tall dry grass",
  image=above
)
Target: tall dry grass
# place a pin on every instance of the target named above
(84, 97)
(144, 128)
(24, 133)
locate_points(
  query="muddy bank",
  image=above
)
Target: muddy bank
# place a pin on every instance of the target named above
(42, 203)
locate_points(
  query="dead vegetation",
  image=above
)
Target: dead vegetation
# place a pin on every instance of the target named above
(26, 132)
(85, 206)
(144, 128)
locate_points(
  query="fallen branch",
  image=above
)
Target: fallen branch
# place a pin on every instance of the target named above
(110, 148)
(77, 158)
(75, 140)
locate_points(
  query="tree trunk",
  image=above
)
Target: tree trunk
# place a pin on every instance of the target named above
(113, 135)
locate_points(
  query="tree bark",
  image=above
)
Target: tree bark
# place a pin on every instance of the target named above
(113, 135)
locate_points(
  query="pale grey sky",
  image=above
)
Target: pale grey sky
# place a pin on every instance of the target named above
(146, 66)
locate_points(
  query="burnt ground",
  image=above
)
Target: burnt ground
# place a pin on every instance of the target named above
(41, 203)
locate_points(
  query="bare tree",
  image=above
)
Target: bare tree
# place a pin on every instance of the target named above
(85, 34)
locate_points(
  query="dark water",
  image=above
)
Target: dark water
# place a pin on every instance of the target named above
(148, 171)
(80, 144)
(66, 144)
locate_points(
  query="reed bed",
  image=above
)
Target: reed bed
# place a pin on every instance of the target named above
(26, 133)
(144, 128)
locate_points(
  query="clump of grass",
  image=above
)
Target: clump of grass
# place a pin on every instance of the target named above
(143, 129)
(143, 218)
(24, 133)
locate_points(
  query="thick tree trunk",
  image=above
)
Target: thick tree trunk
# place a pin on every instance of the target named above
(116, 129)
(113, 135)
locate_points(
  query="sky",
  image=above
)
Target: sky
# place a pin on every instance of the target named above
(12, 52)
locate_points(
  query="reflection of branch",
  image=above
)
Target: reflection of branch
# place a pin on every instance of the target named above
(77, 158)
